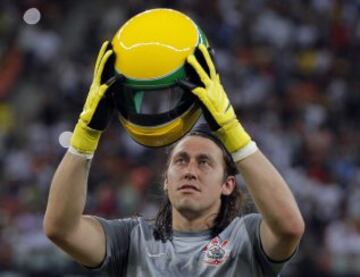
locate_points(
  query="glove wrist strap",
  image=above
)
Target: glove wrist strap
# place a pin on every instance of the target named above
(84, 139)
(233, 136)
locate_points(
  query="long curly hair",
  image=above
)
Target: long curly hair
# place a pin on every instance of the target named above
(231, 205)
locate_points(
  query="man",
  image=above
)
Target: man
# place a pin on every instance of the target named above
(197, 232)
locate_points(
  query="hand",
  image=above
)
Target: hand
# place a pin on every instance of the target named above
(217, 108)
(98, 108)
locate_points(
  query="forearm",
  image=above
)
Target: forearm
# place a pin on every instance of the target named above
(82, 237)
(271, 195)
(67, 195)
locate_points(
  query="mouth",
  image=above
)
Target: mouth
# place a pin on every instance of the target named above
(188, 188)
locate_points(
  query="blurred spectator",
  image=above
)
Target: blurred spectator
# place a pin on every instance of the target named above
(343, 238)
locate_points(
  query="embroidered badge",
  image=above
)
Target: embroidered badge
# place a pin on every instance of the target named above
(215, 252)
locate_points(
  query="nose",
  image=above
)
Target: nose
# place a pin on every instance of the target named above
(190, 176)
(190, 171)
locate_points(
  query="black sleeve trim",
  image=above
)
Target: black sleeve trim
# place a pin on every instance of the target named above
(274, 261)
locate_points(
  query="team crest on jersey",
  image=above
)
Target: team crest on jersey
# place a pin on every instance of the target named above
(215, 252)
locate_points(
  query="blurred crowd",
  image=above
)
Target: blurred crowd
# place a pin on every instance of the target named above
(291, 69)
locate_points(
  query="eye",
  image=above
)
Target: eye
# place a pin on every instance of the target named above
(179, 160)
(204, 162)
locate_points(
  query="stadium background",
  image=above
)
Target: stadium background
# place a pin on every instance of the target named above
(291, 69)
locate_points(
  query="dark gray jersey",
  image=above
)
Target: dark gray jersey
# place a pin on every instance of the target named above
(131, 250)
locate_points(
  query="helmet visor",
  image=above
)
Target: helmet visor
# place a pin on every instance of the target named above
(153, 107)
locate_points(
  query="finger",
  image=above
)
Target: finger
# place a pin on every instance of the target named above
(115, 84)
(199, 70)
(102, 65)
(200, 93)
(202, 96)
(118, 78)
(110, 81)
(208, 60)
(100, 55)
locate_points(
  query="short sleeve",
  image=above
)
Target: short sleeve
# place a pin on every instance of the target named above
(117, 235)
(269, 268)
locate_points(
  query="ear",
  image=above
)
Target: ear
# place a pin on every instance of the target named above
(165, 187)
(228, 186)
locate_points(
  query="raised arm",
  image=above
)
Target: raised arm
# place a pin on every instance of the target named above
(282, 226)
(81, 236)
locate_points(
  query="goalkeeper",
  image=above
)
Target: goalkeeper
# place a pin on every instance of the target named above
(198, 231)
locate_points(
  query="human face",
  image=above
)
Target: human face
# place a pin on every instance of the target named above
(195, 177)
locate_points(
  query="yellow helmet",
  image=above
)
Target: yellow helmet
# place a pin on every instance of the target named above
(151, 50)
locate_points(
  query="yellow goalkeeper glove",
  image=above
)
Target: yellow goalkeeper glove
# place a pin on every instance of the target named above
(98, 108)
(216, 106)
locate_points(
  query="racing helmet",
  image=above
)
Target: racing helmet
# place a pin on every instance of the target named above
(151, 50)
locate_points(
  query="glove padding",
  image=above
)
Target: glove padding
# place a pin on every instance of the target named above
(216, 106)
(98, 108)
